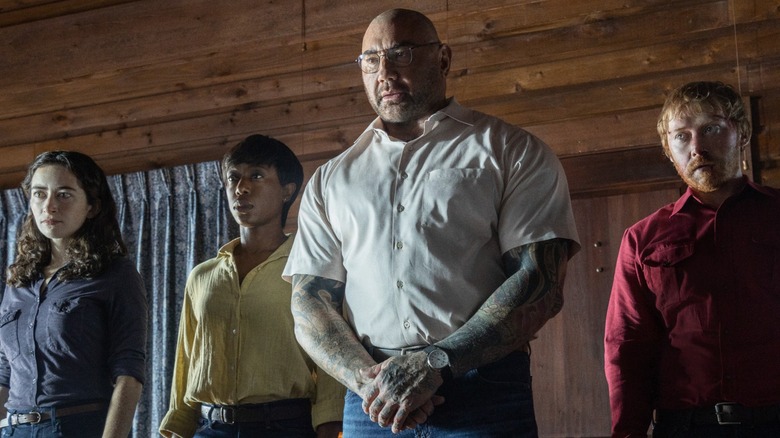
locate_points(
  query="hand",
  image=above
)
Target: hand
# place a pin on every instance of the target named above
(403, 386)
(422, 413)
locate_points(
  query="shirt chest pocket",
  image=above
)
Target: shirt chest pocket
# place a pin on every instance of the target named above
(460, 201)
(65, 322)
(664, 270)
(9, 333)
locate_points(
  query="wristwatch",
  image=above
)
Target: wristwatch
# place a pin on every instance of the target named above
(439, 360)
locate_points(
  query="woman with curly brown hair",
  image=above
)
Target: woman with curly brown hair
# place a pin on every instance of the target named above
(73, 316)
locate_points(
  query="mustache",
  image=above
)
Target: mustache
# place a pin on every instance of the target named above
(394, 88)
(697, 163)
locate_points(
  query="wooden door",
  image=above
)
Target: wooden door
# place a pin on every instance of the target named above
(570, 390)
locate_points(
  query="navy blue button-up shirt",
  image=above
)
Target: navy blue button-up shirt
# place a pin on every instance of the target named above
(69, 344)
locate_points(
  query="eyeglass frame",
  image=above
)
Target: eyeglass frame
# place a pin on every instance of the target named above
(383, 54)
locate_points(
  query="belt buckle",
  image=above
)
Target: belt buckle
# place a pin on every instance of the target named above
(410, 350)
(227, 415)
(720, 413)
(35, 414)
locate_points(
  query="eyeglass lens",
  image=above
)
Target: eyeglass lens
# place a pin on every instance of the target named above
(401, 56)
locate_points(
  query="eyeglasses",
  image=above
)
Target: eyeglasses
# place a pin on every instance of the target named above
(401, 56)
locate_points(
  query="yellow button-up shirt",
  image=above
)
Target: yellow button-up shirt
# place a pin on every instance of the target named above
(236, 345)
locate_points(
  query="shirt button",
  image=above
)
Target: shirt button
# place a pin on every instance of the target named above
(399, 245)
(235, 331)
(400, 208)
(400, 284)
(404, 175)
(407, 324)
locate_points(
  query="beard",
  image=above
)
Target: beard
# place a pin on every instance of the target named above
(421, 103)
(408, 110)
(706, 176)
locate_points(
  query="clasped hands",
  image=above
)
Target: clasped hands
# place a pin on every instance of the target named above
(401, 391)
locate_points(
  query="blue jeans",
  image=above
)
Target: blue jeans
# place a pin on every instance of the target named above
(86, 425)
(296, 428)
(494, 401)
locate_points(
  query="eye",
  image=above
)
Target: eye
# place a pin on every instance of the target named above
(257, 176)
(64, 195)
(712, 129)
(38, 194)
(370, 59)
(400, 54)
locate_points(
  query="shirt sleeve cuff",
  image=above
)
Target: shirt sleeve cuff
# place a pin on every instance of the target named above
(326, 411)
(179, 422)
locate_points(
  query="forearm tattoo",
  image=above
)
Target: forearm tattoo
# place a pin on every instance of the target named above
(509, 318)
(321, 330)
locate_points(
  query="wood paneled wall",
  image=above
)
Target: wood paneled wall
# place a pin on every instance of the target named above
(152, 83)
(143, 84)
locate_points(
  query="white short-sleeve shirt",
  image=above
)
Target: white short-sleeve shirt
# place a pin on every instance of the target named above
(416, 230)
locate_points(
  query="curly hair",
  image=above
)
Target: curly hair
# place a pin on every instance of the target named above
(704, 97)
(91, 248)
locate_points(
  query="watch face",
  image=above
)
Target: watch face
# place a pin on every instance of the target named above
(438, 359)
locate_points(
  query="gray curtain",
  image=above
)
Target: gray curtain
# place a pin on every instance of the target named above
(171, 220)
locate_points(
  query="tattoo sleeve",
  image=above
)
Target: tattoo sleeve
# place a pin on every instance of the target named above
(322, 331)
(509, 318)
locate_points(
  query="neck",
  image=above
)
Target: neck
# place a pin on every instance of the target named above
(406, 131)
(254, 240)
(58, 257)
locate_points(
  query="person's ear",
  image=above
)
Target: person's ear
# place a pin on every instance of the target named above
(744, 140)
(94, 209)
(445, 59)
(288, 190)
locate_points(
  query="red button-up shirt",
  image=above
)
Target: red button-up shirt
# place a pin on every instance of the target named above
(694, 315)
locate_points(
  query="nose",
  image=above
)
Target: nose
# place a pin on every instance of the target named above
(49, 204)
(242, 186)
(698, 145)
(386, 70)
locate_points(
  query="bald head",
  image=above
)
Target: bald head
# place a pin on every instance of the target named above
(405, 92)
(407, 20)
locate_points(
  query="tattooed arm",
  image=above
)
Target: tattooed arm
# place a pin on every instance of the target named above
(317, 305)
(320, 328)
(509, 318)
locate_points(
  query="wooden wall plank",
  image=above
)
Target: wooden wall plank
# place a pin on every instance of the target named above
(15, 12)
(613, 172)
(141, 33)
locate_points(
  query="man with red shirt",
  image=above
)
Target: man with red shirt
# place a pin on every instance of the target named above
(692, 335)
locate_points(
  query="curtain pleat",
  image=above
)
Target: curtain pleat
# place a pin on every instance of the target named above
(171, 220)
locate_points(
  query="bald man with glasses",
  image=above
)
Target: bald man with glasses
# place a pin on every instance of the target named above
(430, 252)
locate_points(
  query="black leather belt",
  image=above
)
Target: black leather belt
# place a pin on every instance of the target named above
(720, 414)
(253, 413)
(35, 417)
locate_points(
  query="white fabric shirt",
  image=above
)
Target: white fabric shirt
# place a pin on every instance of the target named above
(416, 230)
